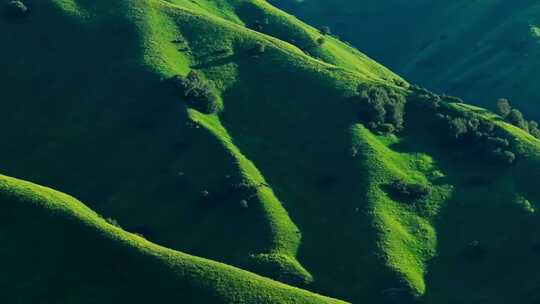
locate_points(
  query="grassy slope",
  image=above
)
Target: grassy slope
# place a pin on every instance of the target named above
(105, 264)
(479, 50)
(501, 215)
(109, 131)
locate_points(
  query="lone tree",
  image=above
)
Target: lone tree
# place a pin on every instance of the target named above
(325, 30)
(516, 118)
(533, 129)
(503, 107)
(16, 9)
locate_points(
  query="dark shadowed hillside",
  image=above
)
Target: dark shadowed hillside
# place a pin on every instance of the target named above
(478, 50)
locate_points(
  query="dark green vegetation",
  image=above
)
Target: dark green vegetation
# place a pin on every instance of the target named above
(481, 50)
(196, 91)
(515, 117)
(225, 130)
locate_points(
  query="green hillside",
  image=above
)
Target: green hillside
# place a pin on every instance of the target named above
(57, 250)
(231, 131)
(478, 50)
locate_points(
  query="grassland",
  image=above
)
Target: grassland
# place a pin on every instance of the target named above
(57, 250)
(89, 110)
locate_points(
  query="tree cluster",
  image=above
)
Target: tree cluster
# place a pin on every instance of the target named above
(515, 117)
(381, 109)
(480, 136)
(197, 92)
(473, 133)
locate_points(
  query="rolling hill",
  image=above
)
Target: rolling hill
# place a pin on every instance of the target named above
(245, 157)
(478, 50)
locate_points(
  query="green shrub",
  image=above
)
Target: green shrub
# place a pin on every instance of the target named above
(321, 40)
(197, 92)
(504, 156)
(498, 142)
(457, 127)
(533, 129)
(113, 222)
(325, 30)
(16, 9)
(515, 117)
(378, 106)
(503, 107)
(403, 190)
(387, 128)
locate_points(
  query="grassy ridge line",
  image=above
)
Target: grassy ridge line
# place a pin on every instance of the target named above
(286, 236)
(332, 54)
(333, 51)
(194, 25)
(408, 239)
(223, 283)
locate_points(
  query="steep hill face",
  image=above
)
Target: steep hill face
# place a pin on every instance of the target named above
(478, 50)
(232, 131)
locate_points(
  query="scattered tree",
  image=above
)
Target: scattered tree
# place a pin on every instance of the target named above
(498, 142)
(505, 156)
(516, 118)
(387, 128)
(321, 41)
(533, 129)
(113, 222)
(379, 106)
(457, 127)
(325, 30)
(475, 134)
(503, 107)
